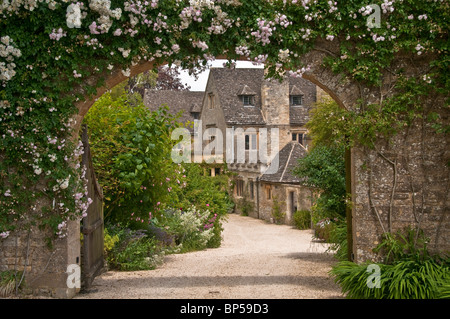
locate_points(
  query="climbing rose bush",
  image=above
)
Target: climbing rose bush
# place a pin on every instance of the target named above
(55, 54)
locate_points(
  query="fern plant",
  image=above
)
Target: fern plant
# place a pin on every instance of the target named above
(402, 280)
(409, 271)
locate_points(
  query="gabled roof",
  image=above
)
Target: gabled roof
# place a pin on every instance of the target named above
(245, 90)
(299, 115)
(185, 101)
(229, 83)
(287, 158)
(294, 90)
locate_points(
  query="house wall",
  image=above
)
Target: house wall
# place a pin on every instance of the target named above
(211, 117)
(281, 193)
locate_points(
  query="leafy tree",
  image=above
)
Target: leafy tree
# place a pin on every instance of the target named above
(164, 78)
(324, 169)
(131, 149)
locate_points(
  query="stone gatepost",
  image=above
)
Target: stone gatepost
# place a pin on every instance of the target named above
(44, 269)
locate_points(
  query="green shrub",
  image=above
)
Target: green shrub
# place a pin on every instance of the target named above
(409, 271)
(302, 219)
(246, 206)
(109, 241)
(135, 250)
(192, 229)
(277, 214)
(8, 281)
(338, 241)
(406, 279)
(323, 229)
(131, 153)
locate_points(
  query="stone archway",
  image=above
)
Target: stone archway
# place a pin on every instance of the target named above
(387, 194)
(401, 182)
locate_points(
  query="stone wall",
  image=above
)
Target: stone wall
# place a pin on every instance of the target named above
(403, 184)
(280, 193)
(44, 268)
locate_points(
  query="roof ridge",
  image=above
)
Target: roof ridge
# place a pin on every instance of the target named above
(287, 162)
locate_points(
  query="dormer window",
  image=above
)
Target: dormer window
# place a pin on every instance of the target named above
(248, 100)
(246, 96)
(296, 96)
(296, 100)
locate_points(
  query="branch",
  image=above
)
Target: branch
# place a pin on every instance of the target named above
(394, 186)
(371, 201)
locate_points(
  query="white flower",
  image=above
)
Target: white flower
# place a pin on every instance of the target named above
(126, 72)
(73, 16)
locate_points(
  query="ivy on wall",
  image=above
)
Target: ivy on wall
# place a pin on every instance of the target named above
(54, 54)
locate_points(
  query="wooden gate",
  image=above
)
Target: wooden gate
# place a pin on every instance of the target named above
(92, 256)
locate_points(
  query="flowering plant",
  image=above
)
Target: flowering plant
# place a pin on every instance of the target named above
(56, 54)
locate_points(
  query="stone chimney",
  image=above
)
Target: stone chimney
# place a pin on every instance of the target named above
(275, 102)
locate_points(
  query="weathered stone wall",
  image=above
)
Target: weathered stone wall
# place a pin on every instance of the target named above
(403, 184)
(280, 192)
(400, 183)
(43, 268)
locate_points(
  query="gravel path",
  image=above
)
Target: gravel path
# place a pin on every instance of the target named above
(257, 260)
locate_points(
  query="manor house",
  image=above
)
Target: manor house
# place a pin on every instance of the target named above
(258, 111)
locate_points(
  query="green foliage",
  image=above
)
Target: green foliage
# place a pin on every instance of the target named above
(406, 279)
(205, 192)
(191, 229)
(8, 280)
(134, 250)
(409, 271)
(338, 241)
(302, 219)
(245, 206)
(109, 241)
(408, 244)
(143, 245)
(323, 168)
(277, 213)
(131, 149)
(323, 229)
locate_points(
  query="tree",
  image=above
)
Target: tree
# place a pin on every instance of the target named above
(323, 168)
(164, 78)
(131, 149)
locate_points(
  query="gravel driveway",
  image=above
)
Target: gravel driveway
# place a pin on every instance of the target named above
(257, 260)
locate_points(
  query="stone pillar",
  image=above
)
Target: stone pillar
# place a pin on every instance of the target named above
(403, 183)
(44, 268)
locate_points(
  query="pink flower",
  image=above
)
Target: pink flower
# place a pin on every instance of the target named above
(207, 205)
(93, 28)
(158, 203)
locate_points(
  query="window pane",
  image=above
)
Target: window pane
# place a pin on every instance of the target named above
(296, 100)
